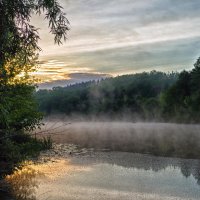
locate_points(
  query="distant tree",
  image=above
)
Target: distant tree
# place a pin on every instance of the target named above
(181, 100)
(176, 98)
(196, 76)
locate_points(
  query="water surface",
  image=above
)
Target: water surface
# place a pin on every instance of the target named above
(119, 175)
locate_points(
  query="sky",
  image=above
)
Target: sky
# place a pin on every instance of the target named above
(115, 37)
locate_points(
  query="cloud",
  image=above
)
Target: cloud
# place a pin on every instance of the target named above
(123, 36)
(73, 78)
(165, 56)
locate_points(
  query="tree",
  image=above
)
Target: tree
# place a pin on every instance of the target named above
(181, 100)
(18, 56)
(195, 82)
(19, 39)
(175, 100)
(19, 43)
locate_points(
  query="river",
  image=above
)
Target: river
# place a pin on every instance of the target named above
(108, 166)
(115, 175)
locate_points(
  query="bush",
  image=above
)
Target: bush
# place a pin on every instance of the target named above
(21, 146)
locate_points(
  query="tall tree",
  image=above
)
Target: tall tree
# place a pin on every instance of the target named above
(18, 56)
(19, 46)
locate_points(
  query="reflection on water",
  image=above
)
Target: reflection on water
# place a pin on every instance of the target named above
(109, 175)
(24, 182)
(133, 173)
(187, 167)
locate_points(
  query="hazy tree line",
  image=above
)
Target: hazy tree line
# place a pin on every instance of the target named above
(138, 94)
(146, 96)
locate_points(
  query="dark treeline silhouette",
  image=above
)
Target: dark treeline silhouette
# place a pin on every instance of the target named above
(182, 99)
(135, 94)
(146, 96)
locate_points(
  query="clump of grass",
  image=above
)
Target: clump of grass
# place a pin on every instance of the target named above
(46, 143)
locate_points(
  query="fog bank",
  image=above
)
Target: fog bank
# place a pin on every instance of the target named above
(164, 139)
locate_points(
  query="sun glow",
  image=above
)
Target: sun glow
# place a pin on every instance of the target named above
(53, 70)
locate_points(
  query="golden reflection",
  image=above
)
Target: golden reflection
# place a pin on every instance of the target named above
(25, 180)
(57, 168)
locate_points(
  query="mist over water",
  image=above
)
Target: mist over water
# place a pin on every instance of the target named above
(115, 168)
(165, 139)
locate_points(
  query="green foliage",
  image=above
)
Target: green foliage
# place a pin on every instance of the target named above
(136, 94)
(18, 147)
(19, 39)
(18, 57)
(20, 108)
(181, 101)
